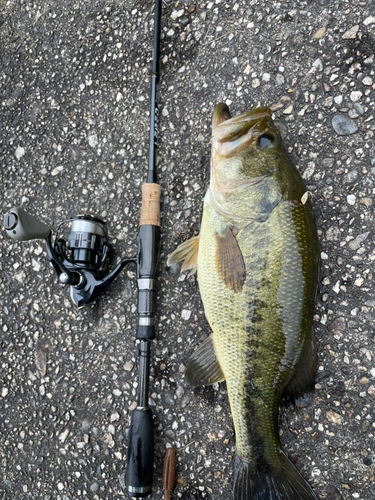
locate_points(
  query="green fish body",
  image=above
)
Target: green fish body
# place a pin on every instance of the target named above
(257, 260)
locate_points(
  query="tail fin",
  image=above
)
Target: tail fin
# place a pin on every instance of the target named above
(281, 482)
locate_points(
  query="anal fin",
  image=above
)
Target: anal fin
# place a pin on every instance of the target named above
(300, 388)
(203, 367)
(186, 252)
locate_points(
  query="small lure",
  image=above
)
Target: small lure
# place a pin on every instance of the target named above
(169, 471)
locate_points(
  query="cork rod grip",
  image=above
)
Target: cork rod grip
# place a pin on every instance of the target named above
(150, 210)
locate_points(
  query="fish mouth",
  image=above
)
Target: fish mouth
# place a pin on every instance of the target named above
(226, 129)
(231, 135)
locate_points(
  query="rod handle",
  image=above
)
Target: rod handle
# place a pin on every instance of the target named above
(22, 226)
(150, 211)
(139, 472)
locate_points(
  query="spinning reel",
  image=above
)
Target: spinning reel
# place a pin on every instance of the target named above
(78, 259)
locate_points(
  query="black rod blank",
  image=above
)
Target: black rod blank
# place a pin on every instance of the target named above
(154, 117)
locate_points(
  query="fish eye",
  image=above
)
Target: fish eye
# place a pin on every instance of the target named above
(265, 141)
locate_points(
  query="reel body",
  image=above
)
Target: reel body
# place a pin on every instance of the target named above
(78, 258)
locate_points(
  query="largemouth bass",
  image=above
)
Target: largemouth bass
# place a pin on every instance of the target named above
(257, 260)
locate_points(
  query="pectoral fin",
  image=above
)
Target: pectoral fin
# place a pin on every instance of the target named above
(203, 367)
(229, 262)
(187, 252)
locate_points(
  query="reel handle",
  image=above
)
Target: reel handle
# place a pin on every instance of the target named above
(21, 226)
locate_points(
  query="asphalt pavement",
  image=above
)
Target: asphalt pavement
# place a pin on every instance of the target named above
(74, 121)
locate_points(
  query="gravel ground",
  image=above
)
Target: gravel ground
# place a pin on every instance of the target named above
(74, 118)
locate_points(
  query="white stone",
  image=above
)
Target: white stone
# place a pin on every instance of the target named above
(93, 140)
(359, 282)
(288, 110)
(355, 95)
(309, 169)
(338, 99)
(20, 151)
(185, 314)
(255, 83)
(352, 33)
(177, 13)
(57, 170)
(369, 20)
(351, 199)
(318, 64)
(367, 81)
(64, 435)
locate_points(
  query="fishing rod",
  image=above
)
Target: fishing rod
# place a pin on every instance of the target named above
(139, 472)
(78, 253)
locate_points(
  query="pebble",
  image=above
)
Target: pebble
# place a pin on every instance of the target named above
(288, 110)
(353, 113)
(350, 177)
(108, 439)
(351, 199)
(351, 33)
(255, 83)
(369, 20)
(333, 233)
(320, 33)
(64, 435)
(334, 418)
(356, 95)
(280, 80)
(343, 125)
(114, 417)
(93, 140)
(365, 201)
(20, 151)
(367, 81)
(318, 64)
(356, 243)
(177, 13)
(185, 314)
(310, 169)
(94, 487)
(179, 392)
(359, 108)
(169, 399)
